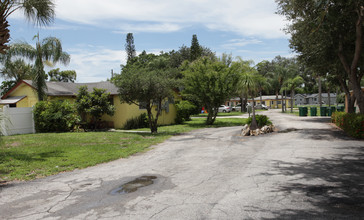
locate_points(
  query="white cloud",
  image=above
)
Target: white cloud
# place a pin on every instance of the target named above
(245, 17)
(236, 43)
(94, 63)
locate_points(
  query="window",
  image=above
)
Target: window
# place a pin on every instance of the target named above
(279, 102)
(12, 105)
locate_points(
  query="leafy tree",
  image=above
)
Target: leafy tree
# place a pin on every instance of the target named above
(6, 86)
(327, 33)
(95, 104)
(47, 51)
(212, 83)
(130, 47)
(62, 76)
(196, 50)
(16, 70)
(147, 82)
(40, 12)
(83, 103)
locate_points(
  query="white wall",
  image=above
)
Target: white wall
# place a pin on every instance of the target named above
(17, 121)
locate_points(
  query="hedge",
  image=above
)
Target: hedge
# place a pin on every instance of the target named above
(351, 123)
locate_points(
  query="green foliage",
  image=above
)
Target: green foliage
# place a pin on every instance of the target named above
(211, 83)
(351, 123)
(96, 103)
(147, 81)
(55, 116)
(262, 120)
(184, 111)
(15, 70)
(6, 86)
(130, 47)
(138, 122)
(196, 50)
(62, 76)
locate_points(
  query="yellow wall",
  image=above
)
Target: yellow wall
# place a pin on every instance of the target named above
(124, 111)
(268, 102)
(24, 89)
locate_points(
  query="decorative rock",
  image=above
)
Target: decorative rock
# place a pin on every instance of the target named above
(245, 131)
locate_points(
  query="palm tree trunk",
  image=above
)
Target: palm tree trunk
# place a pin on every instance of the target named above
(253, 125)
(4, 34)
(276, 99)
(292, 94)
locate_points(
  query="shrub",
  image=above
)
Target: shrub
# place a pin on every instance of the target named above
(351, 123)
(138, 122)
(55, 116)
(184, 111)
(261, 120)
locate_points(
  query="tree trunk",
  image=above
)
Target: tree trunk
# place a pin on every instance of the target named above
(243, 104)
(253, 125)
(4, 34)
(276, 99)
(292, 94)
(320, 91)
(328, 97)
(282, 102)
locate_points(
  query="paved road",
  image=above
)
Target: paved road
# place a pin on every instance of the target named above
(309, 170)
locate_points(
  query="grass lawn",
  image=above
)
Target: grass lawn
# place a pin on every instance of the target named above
(221, 114)
(27, 157)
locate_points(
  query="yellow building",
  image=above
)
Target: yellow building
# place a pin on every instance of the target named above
(24, 94)
(269, 100)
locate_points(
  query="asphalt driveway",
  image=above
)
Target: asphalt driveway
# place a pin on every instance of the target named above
(307, 170)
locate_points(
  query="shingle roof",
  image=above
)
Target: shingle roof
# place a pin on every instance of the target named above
(71, 89)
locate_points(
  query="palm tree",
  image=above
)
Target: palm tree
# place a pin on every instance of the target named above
(16, 70)
(40, 12)
(291, 84)
(49, 51)
(250, 81)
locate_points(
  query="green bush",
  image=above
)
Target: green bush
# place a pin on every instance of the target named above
(138, 122)
(55, 116)
(184, 111)
(351, 123)
(261, 120)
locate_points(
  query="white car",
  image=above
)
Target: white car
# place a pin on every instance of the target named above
(224, 108)
(261, 106)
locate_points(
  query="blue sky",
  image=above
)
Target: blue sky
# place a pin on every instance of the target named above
(93, 32)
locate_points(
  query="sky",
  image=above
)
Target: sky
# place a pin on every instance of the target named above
(94, 32)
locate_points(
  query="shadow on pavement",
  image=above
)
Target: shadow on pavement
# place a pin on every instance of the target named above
(334, 186)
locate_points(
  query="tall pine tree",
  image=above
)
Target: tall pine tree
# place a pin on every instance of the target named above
(196, 50)
(130, 47)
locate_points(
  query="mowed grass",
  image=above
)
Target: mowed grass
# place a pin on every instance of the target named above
(27, 157)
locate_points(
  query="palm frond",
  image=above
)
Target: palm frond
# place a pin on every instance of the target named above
(52, 50)
(40, 12)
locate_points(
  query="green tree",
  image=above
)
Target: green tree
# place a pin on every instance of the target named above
(326, 33)
(62, 76)
(212, 83)
(6, 86)
(47, 51)
(196, 50)
(16, 70)
(96, 104)
(291, 84)
(147, 82)
(130, 47)
(40, 12)
(250, 80)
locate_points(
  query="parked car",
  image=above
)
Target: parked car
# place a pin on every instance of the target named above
(236, 108)
(261, 106)
(224, 108)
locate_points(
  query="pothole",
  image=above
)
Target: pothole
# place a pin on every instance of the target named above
(134, 185)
